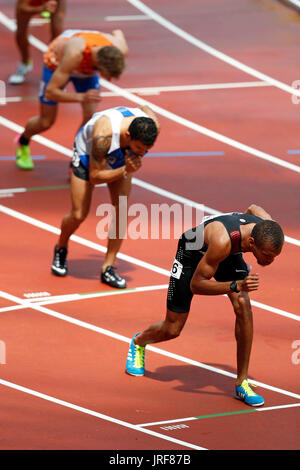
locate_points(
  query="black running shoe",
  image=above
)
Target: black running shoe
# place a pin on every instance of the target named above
(112, 279)
(59, 265)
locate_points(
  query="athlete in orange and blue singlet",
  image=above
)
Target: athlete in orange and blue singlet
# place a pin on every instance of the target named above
(77, 56)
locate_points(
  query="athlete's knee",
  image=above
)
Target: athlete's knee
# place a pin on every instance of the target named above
(21, 36)
(47, 121)
(79, 216)
(242, 305)
(173, 330)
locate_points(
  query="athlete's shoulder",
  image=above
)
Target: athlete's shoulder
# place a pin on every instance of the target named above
(216, 234)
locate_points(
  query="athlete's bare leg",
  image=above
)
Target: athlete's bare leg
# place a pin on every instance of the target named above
(165, 330)
(81, 196)
(117, 188)
(243, 332)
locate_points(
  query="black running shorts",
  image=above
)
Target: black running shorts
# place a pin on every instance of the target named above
(179, 296)
(81, 172)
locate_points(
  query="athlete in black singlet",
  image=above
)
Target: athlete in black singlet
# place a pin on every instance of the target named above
(214, 250)
(188, 256)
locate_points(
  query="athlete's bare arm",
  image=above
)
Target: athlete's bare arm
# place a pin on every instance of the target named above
(258, 211)
(100, 148)
(219, 247)
(118, 39)
(151, 115)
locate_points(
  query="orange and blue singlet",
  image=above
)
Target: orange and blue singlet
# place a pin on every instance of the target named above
(86, 76)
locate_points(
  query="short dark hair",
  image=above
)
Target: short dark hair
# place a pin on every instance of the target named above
(111, 59)
(143, 129)
(268, 231)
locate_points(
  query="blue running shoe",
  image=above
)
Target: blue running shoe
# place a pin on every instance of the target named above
(245, 393)
(135, 364)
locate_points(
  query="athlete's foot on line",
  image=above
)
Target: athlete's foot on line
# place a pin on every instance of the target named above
(135, 364)
(111, 278)
(23, 158)
(59, 265)
(245, 393)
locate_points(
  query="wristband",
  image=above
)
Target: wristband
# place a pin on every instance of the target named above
(234, 287)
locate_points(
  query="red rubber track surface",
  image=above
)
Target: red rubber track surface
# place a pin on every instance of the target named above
(83, 364)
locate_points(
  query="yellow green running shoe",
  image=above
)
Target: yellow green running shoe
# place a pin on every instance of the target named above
(135, 364)
(24, 160)
(245, 393)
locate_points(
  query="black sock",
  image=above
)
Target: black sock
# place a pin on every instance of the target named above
(23, 140)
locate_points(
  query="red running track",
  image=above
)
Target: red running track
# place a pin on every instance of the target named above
(62, 372)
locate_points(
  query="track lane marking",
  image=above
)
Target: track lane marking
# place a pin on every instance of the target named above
(130, 259)
(143, 184)
(211, 50)
(160, 89)
(172, 116)
(93, 295)
(111, 334)
(55, 299)
(218, 415)
(96, 414)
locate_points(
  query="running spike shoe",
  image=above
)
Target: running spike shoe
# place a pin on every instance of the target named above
(59, 265)
(111, 278)
(135, 364)
(245, 393)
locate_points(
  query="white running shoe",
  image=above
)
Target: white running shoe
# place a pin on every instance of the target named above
(19, 76)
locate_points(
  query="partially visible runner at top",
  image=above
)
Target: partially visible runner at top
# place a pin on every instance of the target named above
(25, 10)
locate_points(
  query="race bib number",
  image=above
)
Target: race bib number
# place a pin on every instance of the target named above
(176, 269)
(75, 158)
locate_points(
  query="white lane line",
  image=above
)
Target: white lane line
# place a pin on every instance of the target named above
(12, 307)
(12, 190)
(173, 117)
(179, 120)
(183, 200)
(93, 295)
(96, 414)
(208, 86)
(81, 241)
(161, 89)
(278, 311)
(129, 259)
(211, 50)
(205, 131)
(157, 190)
(55, 299)
(143, 184)
(37, 138)
(127, 18)
(111, 334)
(192, 418)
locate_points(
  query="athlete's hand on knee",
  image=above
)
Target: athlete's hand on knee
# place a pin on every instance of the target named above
(50, 6)
(249, 284)
(133, 162)
(91, 96)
